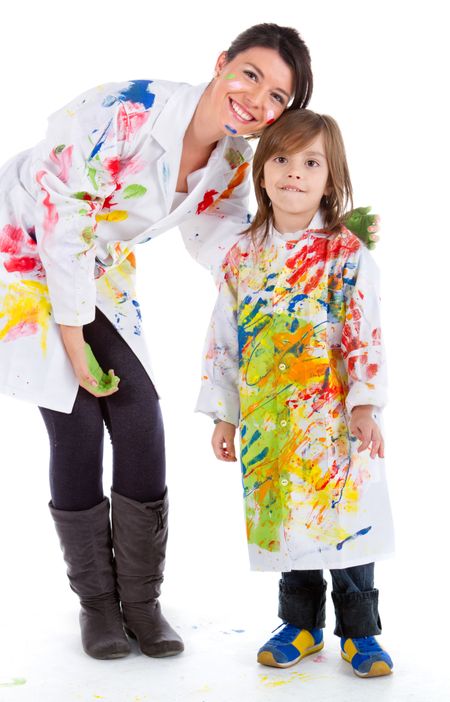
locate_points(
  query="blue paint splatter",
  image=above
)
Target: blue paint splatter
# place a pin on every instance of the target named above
(101, 141)
(138, 92)
(361, 532)
(230, 129)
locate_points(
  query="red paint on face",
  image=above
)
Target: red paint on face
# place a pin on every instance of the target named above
(270, 121)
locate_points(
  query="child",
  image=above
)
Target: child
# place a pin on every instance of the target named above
(294, 357)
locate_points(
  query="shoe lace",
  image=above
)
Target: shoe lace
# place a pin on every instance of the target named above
(286, 634)
(367, 644)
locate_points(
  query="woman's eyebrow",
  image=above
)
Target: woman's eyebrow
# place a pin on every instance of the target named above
(261, 74)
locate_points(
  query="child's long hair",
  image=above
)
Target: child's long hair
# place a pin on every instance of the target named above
(291, 133)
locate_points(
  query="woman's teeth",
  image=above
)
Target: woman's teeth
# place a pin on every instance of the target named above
(240, 112)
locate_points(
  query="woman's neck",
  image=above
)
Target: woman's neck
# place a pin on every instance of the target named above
(202, 132)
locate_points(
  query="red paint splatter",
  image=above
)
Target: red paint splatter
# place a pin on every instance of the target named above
(15, 242)
(63, 159)
(270, 121)
(50, 212)
(130, 119)
(208, 199)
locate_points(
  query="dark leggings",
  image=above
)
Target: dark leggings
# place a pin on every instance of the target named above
(134, 422)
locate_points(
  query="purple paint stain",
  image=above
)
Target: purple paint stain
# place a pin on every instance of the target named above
(230, 129)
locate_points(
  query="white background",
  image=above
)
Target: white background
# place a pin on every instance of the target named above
(380, 69)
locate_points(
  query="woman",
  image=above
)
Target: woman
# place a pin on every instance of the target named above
(120, 165)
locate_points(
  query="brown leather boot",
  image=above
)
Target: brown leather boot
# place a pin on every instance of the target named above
(139, 538)
(85, 539)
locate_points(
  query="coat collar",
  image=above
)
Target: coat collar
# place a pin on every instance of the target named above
(173, 120)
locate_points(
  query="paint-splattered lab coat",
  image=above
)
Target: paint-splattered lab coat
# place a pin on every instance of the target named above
(294, 344)
(73, 208)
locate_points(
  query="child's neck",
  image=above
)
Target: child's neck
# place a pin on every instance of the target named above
(287, 222)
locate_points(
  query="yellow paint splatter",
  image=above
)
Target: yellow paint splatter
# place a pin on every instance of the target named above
(278, 682)
(26, 308)
(115, 216)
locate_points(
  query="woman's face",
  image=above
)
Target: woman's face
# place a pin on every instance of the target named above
(250, 91)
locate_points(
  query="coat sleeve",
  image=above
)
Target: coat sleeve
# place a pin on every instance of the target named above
(219, 393)
(361, 343)
(215, 227)
(73, 172)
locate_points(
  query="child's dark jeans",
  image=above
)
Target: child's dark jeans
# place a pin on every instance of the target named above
(302, 600)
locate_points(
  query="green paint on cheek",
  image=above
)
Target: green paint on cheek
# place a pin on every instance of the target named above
(230, 76)
(14, 682)
(105, 381)
(134, 190)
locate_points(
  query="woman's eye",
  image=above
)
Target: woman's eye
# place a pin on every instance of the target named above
(250, 74)
(278, 98)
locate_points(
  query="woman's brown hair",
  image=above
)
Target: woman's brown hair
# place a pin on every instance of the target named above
(292, 132)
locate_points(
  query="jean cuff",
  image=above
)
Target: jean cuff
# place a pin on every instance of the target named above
(303, 607)
(356, 614)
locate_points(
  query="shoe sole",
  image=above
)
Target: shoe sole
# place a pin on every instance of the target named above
(266, 657)
(377, 669)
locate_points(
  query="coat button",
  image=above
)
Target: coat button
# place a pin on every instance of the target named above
(282, 366)
(283, 423)
(284, 482)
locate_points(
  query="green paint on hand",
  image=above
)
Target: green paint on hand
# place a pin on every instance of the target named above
(134, 190)
(230, 76)
(358, 221)
(105, 380)
(14, 682)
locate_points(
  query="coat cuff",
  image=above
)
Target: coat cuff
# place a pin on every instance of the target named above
(219, 403)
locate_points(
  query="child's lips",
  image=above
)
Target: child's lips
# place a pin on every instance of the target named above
(291, 189)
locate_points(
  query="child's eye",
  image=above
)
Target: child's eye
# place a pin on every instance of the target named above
(251, 74)
(280, 159)
(311, 163)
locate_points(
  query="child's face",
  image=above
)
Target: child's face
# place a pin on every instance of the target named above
(295, 183)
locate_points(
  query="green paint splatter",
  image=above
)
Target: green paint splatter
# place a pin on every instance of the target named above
(230, 76)
(134, 190)
(14, 682)
(82, 195)
(59, 148)
(234, 157)
(88, 235)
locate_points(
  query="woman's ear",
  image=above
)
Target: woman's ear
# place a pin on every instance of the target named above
(220, 63)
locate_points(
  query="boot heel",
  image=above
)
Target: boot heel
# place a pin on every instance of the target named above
(130, 633)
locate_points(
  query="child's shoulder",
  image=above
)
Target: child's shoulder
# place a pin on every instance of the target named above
(344, 243)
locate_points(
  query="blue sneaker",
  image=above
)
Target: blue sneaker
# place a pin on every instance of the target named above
(289, 646)
(366, 656)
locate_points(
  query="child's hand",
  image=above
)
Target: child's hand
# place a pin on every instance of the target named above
(363, 225)
(365, 428)
(223, 441)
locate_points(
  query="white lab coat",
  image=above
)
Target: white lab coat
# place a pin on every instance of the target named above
(293, 345)
(73, 208)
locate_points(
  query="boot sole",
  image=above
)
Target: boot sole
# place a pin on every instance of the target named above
(266, 657)
(166, 654)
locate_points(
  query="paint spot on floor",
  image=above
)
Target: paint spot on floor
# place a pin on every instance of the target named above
(13, 683)
(278, 682)
(320, 658)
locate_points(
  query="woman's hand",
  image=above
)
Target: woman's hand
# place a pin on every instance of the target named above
(223, 441)
(74, 344)
(365, 428)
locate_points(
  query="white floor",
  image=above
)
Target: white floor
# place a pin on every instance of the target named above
(42, 661)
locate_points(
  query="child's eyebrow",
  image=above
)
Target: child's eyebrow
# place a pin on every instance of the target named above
(314, 153)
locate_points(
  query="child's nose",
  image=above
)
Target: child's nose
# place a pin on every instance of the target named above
(292, 175)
